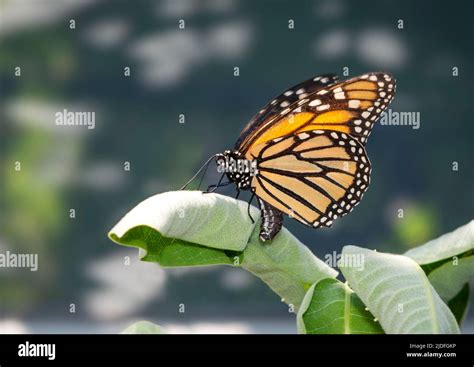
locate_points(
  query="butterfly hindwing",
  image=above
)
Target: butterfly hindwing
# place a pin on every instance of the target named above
(313, 176)
(280, 103)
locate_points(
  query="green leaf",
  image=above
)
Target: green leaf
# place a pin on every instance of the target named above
(170, 252)
(331, 307)
(143, 327)
(459, 304)
(449, 278)
(449, 263)
(287, 266)
(451, 244)
(189, 228)
(212, 220)
(397, 292)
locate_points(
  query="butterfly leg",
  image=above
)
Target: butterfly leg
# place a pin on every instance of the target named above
(272, 221)
(212, 188)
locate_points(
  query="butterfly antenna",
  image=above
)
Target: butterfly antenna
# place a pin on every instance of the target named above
(203, 175)
(205, 165)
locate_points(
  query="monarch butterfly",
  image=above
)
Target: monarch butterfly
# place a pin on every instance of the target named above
(304, 154)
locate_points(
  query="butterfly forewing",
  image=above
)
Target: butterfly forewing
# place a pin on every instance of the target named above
(351, 107)
(313, 176)
(280, 104)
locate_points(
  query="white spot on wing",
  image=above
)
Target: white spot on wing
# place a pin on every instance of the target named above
(354, 103)
(315, 102)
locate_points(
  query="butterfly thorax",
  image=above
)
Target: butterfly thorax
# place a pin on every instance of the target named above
(237, 168)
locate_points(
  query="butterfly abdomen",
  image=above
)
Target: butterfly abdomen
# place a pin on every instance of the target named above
(272, 221)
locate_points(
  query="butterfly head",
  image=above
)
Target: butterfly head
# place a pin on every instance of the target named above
(238, 169)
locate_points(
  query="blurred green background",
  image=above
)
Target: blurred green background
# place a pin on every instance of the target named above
(85, 283)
